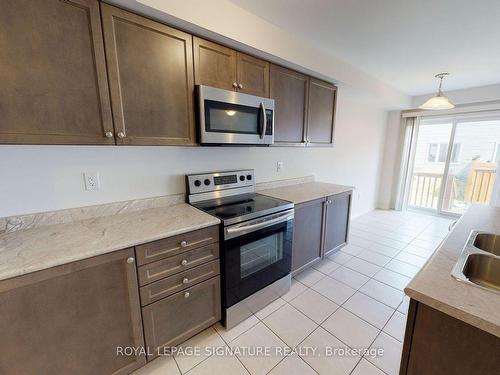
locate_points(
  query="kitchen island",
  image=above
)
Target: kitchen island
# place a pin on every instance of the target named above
(453, 327)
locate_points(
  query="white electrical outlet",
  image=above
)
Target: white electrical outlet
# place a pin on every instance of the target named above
(279, 166)
(91, 181)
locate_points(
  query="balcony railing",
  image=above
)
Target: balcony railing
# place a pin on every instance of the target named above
(460, 192)
(425, 190)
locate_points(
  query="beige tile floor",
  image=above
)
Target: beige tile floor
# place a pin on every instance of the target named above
(352, 299)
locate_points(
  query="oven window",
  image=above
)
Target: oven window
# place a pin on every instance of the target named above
(260, 254)
(231, 118)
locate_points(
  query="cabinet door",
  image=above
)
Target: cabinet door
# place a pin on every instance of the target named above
(70, 319)
(54, 87)
(174, 319)
(307, 233)
(289, 91)
(338, 210)
(253, 75)
(321, 112)
(214, 65)
(151, 79)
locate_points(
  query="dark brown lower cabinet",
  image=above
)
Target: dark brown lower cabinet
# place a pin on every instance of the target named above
(307, 233)
(70, 319)
(337, 218)
(174, 319)
(436, 343)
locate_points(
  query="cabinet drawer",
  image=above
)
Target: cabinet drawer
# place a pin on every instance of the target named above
(173, 284)
(167, 247)
(172, 265)
(174, 319)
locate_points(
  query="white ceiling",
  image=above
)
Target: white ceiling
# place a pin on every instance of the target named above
(401, 42)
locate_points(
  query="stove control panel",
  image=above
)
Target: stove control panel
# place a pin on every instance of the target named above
(216, 181)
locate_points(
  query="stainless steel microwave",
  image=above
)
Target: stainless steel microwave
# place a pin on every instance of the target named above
(232, 118)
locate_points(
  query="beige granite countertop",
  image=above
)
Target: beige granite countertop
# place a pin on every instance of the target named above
(435, 287)
(39, 248)
(305, 192)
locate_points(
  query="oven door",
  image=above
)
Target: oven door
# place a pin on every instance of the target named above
(228, 117)
(255, 254)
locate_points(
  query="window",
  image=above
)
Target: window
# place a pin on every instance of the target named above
(437, 152)
(432, 152)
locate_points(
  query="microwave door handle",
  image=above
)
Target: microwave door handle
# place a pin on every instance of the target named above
(263, 121)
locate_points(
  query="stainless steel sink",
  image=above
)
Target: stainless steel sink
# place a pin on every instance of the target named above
(488, 242)
(479, 262)
(483, 270)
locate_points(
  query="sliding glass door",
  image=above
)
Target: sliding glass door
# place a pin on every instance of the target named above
(454, 164)
(472, 168)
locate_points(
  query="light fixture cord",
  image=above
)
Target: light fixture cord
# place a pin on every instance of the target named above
(440, 84)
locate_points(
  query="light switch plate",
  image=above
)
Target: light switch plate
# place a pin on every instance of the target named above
(279, 166)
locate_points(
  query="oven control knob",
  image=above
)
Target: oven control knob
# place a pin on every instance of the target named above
(207, 181)
(249, 177)
(242, 178)
(197, 183)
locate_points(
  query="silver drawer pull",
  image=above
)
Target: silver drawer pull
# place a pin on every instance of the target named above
(184, 243)
(185, 280)
(184, 262)
(186, 295)
(130, 260)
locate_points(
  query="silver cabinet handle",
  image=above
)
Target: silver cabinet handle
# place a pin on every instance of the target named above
(235, 85)
(184, 262)
(121, 135)
(130, 260)
(109, 134)
(240, 86)
(329, 201)
(185, 280)
(184, 243)
(186, 295)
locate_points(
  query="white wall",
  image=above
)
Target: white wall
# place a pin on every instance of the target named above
(42, 178)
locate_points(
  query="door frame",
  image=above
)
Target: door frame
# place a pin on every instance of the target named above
(454, 120)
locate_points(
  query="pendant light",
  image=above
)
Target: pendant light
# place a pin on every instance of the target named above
(439, 101)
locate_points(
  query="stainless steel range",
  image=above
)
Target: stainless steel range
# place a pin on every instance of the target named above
(257, 233)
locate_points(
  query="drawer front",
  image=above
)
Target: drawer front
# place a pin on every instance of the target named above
(173, 284)
(175, 245)
(174, 319)
(172, 265)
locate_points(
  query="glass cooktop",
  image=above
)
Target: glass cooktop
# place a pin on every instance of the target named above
(242, 207)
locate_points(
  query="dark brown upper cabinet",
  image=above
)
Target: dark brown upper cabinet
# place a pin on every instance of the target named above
(222, 67)
(253, 75)
(214, 65)
(150, 69)
(321, 112)
(53, 86)
(289, 89)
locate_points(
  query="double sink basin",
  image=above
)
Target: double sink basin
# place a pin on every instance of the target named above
(479, 262)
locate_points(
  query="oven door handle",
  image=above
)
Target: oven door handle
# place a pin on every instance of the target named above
(263, 121)
(247, 228)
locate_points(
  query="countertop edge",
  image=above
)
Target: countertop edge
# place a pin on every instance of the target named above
(454, 312)
(20, 271)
